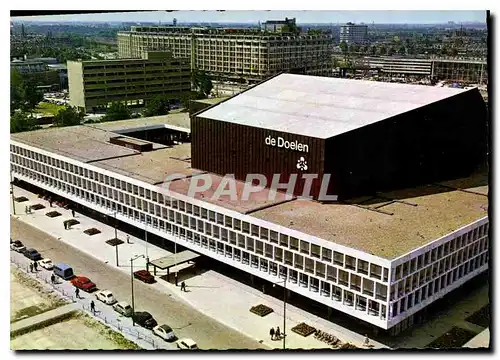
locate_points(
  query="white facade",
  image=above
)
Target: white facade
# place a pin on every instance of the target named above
(376, 290)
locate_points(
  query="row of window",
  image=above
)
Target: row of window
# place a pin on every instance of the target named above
(444, 250)
(439, 284)
(438, 268)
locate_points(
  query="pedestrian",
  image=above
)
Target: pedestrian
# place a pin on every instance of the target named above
(73, 212)
(278, 333)
(128, 239)
(77, 293)
(52, 278)
(183, 286)
(31, 267)
(25, 209)
(176, 279)
(29, 209)
(367, 341)
(92, 306)
(50, 202)
(35, 265)
(271, 332)
(65, 225)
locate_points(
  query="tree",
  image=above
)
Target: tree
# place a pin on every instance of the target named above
(31, 95)
(343, 47)
(22, 121)
(69, 116)
(402, 50)
(23, 93)
(202, 82)
(117, 111)
(157, 106)
(186, 98)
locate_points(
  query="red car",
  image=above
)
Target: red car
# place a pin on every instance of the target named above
(145, 276)
(83, 283)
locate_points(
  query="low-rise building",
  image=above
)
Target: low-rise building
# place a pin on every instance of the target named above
(95, 84)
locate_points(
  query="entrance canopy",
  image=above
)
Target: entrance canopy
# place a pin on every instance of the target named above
(167, 262)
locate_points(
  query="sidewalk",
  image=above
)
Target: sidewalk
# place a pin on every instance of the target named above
(216, 295)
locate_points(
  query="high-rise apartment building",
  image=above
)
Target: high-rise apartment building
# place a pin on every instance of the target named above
(234, 54)
(352, 33)
(97, 83)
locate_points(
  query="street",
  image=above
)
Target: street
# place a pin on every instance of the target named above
(185, 320)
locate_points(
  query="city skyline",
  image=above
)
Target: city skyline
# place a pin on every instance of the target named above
(254, 16)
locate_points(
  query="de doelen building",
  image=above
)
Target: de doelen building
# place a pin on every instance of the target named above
(381, 261)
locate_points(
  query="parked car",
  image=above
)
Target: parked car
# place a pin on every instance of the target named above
(32, 254)
(145, 276)
(17, 246)
(165, 332)
(187, 344)
(46, 264)
(123, 308)
(63, 271)
(144, 319)
(84, 283)
(105, 296)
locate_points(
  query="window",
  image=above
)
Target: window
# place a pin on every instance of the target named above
(304, 247)
(338, 258)
(294, 243)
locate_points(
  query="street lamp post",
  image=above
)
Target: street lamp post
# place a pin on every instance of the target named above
(116, 237)
(132, 284)
(146, 237)
(12, 192)
(284, 309)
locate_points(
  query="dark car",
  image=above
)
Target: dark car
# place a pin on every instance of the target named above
(32, 254)
(145, 276)
(144, 319)
(84, 283)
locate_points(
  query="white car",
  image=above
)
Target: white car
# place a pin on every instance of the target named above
(187, 344)
(46, 264)
(105, 296)
(123, 308)
(165, 332)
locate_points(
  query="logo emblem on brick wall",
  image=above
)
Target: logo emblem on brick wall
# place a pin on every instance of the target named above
(302, 164)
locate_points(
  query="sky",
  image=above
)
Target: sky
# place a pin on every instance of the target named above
(253, 16)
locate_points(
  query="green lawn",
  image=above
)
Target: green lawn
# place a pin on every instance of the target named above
(48, 108)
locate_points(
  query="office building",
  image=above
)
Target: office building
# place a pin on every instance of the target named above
(95, 84)
(399, 65)
(381, 259)
(464, 71)
(354, 34)
(234, 54)
(38, 72)
(279, 25)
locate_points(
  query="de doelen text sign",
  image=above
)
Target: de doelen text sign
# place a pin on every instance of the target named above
(282, 143)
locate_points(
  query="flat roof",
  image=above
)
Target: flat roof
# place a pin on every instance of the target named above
(174, 259)
(420, 215)
(180, 120)
(81, 143)
(322, 107)
(256, 201)
(212, 101)
(153, 167)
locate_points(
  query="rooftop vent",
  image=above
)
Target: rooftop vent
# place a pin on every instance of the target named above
(135, 144)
